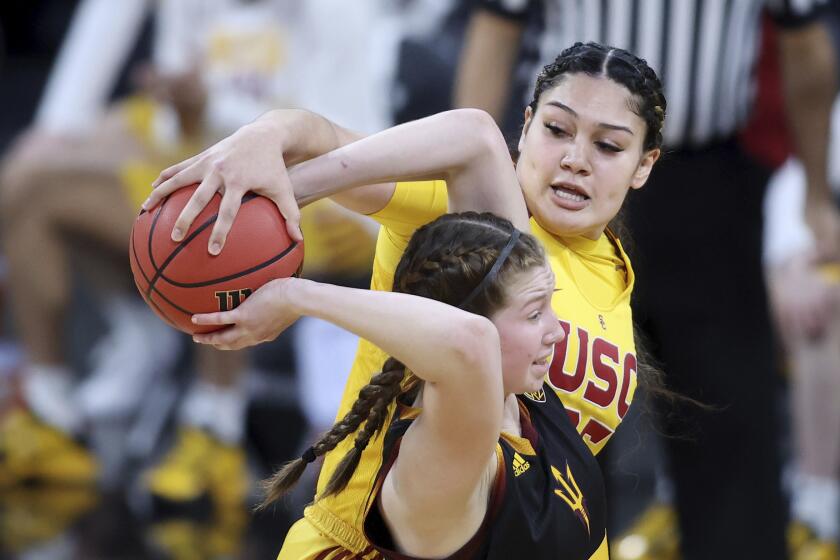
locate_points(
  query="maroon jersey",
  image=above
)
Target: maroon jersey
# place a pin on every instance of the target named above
(547, 501)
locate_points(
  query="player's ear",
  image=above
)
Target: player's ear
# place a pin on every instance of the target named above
(644, 168)
(528, 116)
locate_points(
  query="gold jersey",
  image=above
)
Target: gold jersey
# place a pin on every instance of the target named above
(593, 370)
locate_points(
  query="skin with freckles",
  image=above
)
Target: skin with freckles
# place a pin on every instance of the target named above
(581, 152)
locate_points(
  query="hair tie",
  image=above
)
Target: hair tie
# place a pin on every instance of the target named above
(494, 270)
(308, 455)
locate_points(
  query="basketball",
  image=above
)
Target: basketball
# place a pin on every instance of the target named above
(178, 280)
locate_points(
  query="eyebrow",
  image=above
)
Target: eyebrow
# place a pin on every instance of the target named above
(574, 114)
(537, 297)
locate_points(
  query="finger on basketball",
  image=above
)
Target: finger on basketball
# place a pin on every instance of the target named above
(217, 318)
(228, 209)
(188, 175)
(223, 336)
(200, 198)
(173, 170)
(286, 203)
(226, 339)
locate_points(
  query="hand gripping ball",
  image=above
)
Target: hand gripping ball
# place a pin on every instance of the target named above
(178, 280)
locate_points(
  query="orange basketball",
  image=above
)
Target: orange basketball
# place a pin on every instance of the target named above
(178, 280)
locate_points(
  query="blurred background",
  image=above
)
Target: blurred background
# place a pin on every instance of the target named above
(119, 438)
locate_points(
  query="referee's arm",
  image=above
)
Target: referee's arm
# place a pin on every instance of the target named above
(487, 61)
(809, 79)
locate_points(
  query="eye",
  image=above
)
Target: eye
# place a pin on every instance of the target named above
(535, 316)
(607, 147)
(554, 129)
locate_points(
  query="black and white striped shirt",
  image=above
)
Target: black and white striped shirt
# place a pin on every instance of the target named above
(703, 50)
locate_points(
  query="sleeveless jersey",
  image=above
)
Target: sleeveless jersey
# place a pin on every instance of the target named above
(547, 500)
(593, 371)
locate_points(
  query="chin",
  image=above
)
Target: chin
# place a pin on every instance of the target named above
(565, 223)
(533, 386)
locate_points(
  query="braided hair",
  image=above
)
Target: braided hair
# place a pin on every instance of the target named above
(445, 260)
(619, 66)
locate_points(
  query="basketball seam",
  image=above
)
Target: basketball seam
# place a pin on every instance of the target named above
(147, 295)
(168, 260)
(245, 272)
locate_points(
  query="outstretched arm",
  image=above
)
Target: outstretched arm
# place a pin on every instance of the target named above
(455, 352)
(254, 158)
(464, 147)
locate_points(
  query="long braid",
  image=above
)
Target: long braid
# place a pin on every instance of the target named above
(384, 385)
(378, 413)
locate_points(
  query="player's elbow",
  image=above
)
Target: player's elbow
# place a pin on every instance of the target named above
(478, 134)
(480, 125)
(477, 348)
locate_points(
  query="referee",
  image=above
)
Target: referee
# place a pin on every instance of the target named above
(697, 224)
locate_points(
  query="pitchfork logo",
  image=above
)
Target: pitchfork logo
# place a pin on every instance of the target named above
(569, 492)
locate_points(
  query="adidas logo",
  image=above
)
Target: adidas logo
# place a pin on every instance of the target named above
(520, 465)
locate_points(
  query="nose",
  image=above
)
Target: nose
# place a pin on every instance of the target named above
(556, 335)
(575, 159)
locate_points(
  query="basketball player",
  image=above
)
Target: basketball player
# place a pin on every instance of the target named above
(506, 476)
(591, 134)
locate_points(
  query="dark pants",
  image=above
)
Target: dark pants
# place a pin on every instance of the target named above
(700, 298)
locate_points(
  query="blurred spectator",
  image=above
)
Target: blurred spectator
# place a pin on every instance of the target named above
(804, 296)
(76, 175)
(82, 170)
(806, 300)
(700, 215)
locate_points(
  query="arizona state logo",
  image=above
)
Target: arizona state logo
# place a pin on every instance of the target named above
(536, 396)
(520, 465)
(570, 493)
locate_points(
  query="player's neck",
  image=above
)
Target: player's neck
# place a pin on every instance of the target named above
(510, 416)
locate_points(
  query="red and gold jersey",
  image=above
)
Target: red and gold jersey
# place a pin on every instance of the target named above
(594, 367)
(548, 494)
(593, 370)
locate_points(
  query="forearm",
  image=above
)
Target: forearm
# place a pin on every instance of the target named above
(302, 135)
(810, 85)
(434, 340)
(463, 147)
(487, 60)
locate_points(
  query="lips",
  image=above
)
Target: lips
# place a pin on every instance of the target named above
(569, 191)
(542, 361)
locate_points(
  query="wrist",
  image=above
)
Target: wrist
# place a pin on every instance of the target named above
(299, 294)
(274, 126)
(300, 133)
